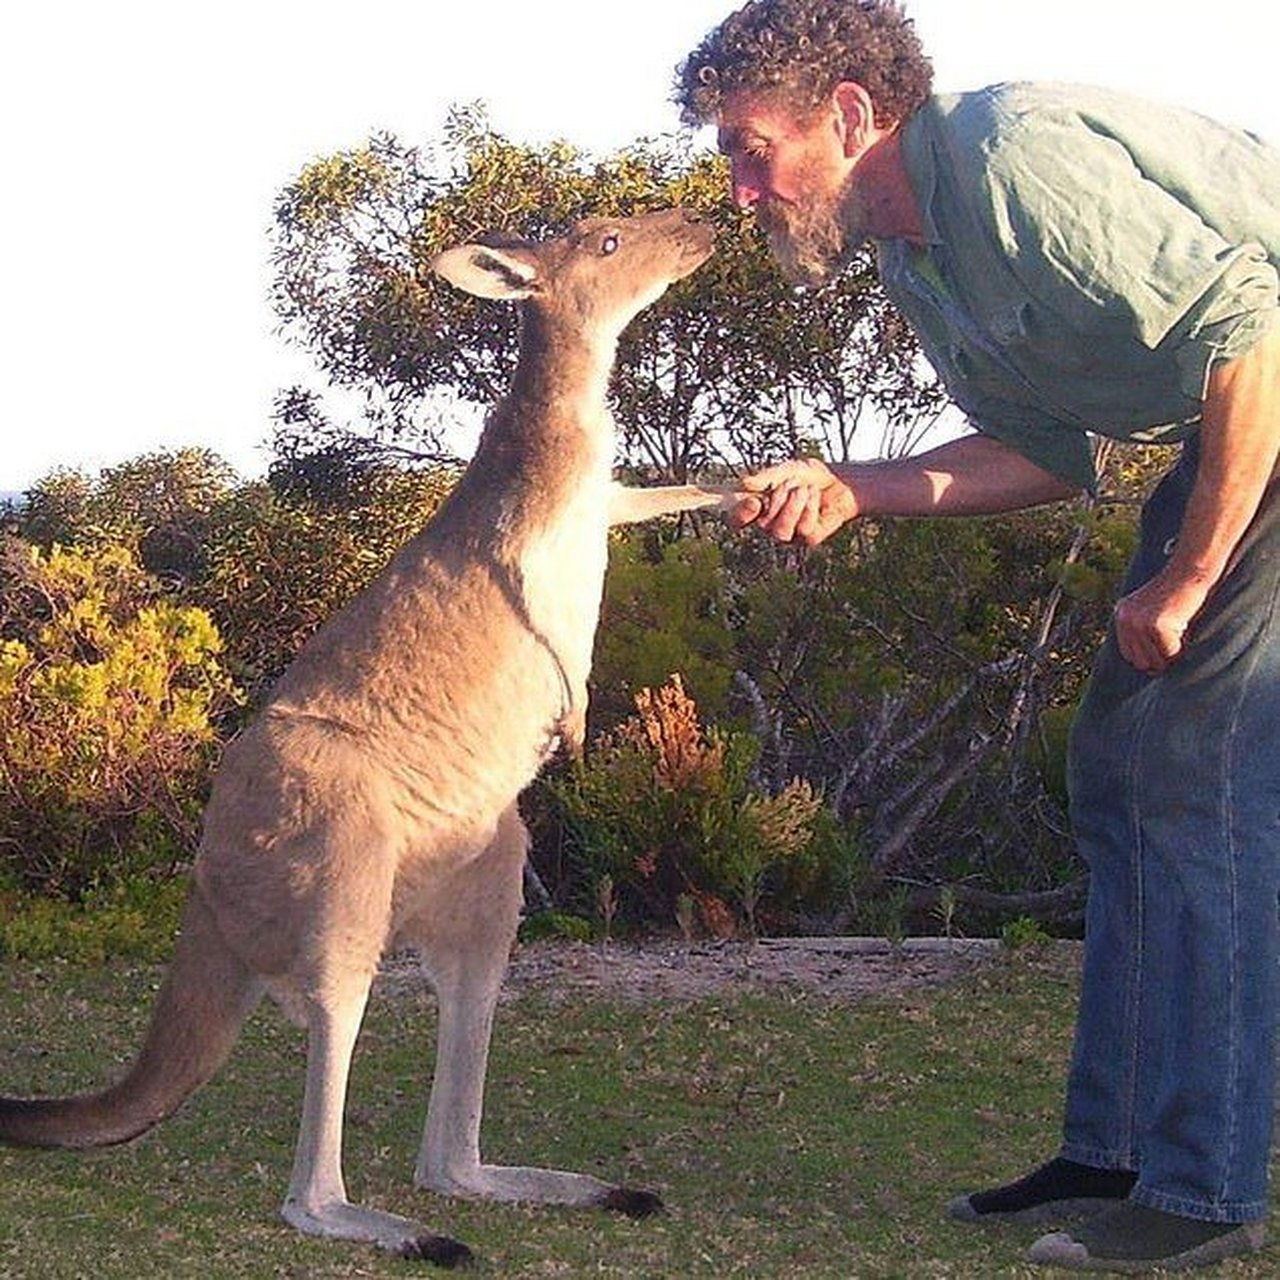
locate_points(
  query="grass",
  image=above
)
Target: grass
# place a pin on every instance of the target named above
(790, 1136)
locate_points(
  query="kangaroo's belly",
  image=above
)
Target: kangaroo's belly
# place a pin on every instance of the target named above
(407, 729)
(562, 572)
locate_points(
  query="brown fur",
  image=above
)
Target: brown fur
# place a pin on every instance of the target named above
(373, 802)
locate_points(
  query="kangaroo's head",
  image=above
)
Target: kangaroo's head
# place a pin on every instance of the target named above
(593, 279)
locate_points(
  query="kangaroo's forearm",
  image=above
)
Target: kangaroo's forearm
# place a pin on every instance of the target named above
(629, 506)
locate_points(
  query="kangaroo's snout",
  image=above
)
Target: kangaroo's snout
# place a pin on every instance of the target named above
(688, 227)
(701, 235)
(596, 277)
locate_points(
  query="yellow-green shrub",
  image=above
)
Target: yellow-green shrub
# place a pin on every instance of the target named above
(108, 700)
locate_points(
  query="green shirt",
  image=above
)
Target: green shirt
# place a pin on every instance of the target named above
(1088, 256)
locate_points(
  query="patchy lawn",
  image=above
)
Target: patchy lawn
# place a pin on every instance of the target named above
(794, 1128)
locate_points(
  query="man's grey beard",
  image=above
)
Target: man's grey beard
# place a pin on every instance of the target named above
(813, 239)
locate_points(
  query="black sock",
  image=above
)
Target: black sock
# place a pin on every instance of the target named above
(1060, 1179)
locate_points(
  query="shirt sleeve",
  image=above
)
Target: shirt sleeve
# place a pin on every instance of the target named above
(1114, 252)
(1061, 451)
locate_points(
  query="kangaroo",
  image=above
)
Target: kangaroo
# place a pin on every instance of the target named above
(372, 803)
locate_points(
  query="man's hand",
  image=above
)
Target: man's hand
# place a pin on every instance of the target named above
(803, 499)
(1151, 622)
(1239, 446)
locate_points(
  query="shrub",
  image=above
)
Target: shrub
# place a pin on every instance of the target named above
(108, 700)
(159, 505)
(133, 920)
(666, 606)
(667, 810)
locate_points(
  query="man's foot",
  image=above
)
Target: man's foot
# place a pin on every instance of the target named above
(1131, 1239)
(1056, 1192)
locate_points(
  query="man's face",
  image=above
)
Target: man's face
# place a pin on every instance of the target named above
(792, 171)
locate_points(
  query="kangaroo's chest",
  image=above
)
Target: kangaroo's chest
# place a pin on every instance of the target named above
(561, 568)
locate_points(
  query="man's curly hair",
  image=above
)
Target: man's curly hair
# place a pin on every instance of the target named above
(799, 50)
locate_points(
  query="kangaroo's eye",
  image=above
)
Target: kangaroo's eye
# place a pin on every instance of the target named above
(609, 245)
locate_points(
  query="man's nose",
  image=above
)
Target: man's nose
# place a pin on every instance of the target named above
(745, 185)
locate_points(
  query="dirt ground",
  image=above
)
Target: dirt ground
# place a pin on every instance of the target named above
(838, 968)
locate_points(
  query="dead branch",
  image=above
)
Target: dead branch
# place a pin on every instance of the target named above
(890, 847)
(1063, 905)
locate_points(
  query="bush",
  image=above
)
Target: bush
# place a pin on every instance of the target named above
(664, 810)
(132, 920)
(109, 697)
(160, 505)
(666, 608)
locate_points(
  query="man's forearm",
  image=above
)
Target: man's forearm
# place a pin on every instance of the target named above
(810, 499)
(1239, 445)
(975, 475)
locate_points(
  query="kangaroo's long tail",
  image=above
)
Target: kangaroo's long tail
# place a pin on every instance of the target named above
(204, 1001)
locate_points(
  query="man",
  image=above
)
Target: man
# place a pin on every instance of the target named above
(1076, 262)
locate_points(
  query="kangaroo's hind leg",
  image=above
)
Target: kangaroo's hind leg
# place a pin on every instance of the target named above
(339, 929)
(465, 950)
(317, 1201)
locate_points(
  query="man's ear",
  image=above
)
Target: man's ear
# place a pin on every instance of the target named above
(856, 116)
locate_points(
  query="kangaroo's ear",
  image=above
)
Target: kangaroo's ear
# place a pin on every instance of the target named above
(489, 271)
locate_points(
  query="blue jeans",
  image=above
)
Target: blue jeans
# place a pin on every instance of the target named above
(1175, 803)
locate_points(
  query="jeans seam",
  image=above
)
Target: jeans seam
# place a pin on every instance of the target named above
(1138, 954)
(1184, 1207)
(1235, 1038)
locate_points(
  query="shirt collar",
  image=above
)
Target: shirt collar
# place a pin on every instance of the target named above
(922, 170)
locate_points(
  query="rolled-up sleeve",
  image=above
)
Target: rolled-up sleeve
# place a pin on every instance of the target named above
(1239, 311)
(1061, 451)
(1087, 258)
(1115, 255)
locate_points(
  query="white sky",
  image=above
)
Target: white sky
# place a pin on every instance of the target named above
(143, 144)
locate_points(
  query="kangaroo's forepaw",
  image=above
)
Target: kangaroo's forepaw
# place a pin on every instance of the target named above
(441, 1250)
(631, 1202)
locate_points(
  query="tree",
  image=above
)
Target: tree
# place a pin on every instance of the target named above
(732, 367)
(159, 505)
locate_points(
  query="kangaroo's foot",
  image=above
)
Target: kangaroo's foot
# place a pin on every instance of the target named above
(632, 1202)
(342, 1220)
(540, 1186)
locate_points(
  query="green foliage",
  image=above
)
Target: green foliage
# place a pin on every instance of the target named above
(699, 378)
(665, 609)
(330, 188)
(556, 924)
(1054, 731)
(1093, 577)
(133, 919)
(108, 701)
(900, 669)
(161, 506)
(664, 808)
(1022, 933)
(268, 561)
